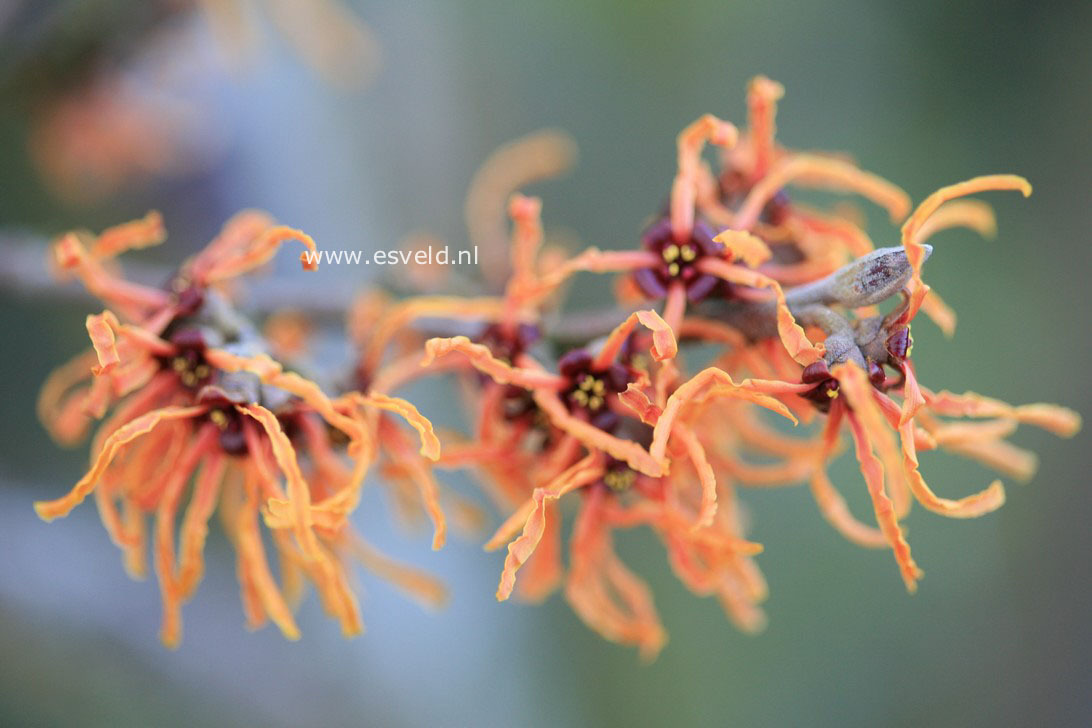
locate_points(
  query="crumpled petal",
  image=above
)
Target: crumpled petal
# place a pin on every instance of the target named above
(664, 345)
(742, 245)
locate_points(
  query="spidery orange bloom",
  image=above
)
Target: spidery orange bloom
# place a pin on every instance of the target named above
(192, 395)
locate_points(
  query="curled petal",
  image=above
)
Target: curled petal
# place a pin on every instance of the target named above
(708, 382)
(684, 190)
(376, 327)
(61, 403)
(594, 260)
(913, 400)
(595, 439)
(708, 508)
(971, 506)
(253, 566)
(142, 233)
(791, 333)
(762, 97)
(483, 360)
(195, 523)
(430, 444)
(298, 491)
(1000, 455)
(586, 471)
(259, 251)
(973, 214)
(100, 327)
(526, 214)
(913, 242)
(815, 171)
(603, 592)
(421, 475)
(132, 299)
(48, 510)
(664, 345)
(831, 503)
(641, 405)
(858, 390)
(169, 587)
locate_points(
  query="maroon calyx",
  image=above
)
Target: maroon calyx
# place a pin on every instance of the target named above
(188, 362)
(677, 261)
(590, 390)
(826, 388)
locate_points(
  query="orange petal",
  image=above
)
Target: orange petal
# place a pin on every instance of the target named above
(100, 327)
(664, 345)
(259, 251)
(791, 333)
(141, 233)
(582, 473)
(164, 553)
(48, 510)
(641, 405)
(430, 445)
(813, 171)
(540, 155)
(418, 584)
(708, 382)
(255, 566)
(762, 97)
(708, 508)
(684, 190)
(298, 491)
(971, 506)
(940, 312)
(913, 400)
(195, 530)
(1060, 421)
(595, 439)
(742, 245)
(483, 360)
(912, 241)
(973, 214)
(858, 391)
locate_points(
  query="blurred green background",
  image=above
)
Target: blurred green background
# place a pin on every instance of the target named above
(924, 93)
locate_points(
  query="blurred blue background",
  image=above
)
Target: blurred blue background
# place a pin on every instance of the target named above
(923, 93)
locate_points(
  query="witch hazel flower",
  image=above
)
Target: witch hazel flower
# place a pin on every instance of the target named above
(192, 395)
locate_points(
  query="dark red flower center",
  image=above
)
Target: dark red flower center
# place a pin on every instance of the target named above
(189, 362)
(590, 390)
(677, 260)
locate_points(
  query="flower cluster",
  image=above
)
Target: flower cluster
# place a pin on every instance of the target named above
(603, 410)
(193, 395)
